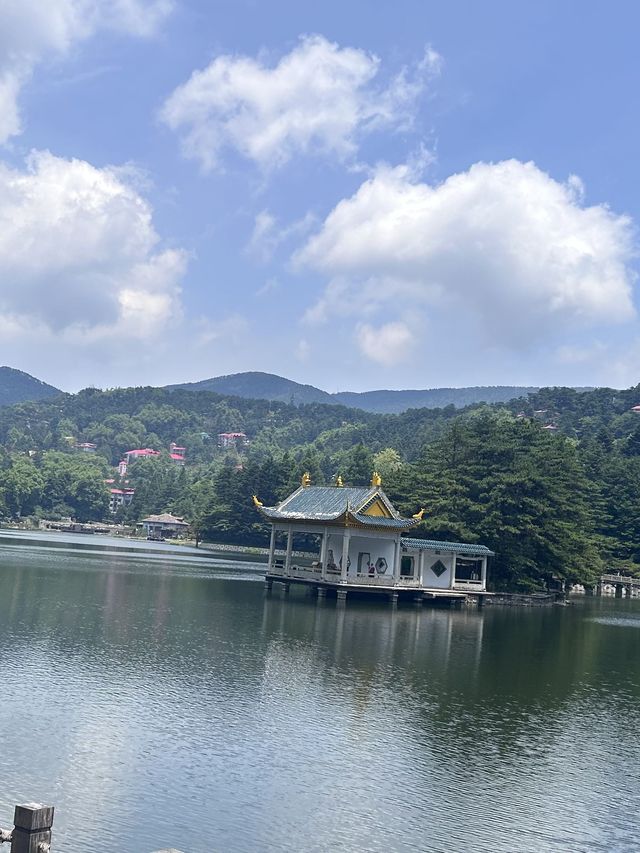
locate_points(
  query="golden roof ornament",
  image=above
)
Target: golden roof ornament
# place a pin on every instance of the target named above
(376, 480)
(419, 514)
(339, 482)
(256, 502)
(305, 480)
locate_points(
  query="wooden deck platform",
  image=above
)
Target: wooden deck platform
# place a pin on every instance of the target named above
(391, 592)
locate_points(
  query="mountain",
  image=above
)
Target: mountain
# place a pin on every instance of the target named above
(260, 386)
(267, 386)
(394, 402)
(17, 387)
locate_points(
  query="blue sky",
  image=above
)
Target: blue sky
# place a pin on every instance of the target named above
(359, 195)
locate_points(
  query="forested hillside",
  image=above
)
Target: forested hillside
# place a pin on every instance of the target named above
(550, 482)
(16, 386)
(267, 386)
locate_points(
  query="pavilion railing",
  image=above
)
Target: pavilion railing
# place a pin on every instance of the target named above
(314, 572)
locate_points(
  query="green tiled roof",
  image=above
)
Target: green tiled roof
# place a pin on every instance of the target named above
(325, 501)
(329, 503)
(435, 545)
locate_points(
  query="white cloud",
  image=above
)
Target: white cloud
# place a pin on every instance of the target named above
(33, 31)
(591, 353)
(231, 330)
(320, 97)
(502, 249)
(388, 344)
(79, 256)
(268, 235)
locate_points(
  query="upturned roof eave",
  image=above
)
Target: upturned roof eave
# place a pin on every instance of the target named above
(345, 518)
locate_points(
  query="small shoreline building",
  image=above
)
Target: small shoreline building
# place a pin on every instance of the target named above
(363, 546)
(157, 527)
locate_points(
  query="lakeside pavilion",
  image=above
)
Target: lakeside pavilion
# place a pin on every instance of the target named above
(361, 545)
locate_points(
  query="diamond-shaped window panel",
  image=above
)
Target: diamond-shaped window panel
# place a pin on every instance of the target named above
(438, 568)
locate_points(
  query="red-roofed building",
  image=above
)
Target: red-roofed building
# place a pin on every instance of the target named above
(232, 439)
(120, 497)
(140, 453)
(177, 453)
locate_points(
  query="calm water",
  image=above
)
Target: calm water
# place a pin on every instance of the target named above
(160, 700)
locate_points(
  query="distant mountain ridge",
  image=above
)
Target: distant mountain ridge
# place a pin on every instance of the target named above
(267, 386)
(18, 387)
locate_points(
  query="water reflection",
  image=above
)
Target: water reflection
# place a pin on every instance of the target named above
(140, 686)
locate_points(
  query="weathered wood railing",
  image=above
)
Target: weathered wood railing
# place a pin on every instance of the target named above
(31, 831)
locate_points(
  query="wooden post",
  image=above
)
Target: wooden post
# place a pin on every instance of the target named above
(32, 828)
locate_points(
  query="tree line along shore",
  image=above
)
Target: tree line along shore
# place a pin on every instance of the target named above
(550, 482)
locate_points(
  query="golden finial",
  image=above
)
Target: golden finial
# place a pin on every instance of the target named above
(256, 502)
(376, 480)
(339, 482)
(419, 514)
(305, 479)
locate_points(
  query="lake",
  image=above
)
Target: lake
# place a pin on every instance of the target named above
(158, 698)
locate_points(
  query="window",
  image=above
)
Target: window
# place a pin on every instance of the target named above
(468, 570)
(407, 565)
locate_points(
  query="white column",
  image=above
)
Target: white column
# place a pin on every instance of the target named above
(454, 557)
(345, 553)
(420, 568)
(483, 573)
(287, 561)
(396, 560)
(323, 553)
(272, 547)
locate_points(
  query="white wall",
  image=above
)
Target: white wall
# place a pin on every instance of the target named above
(375, 546)
(429, 579)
